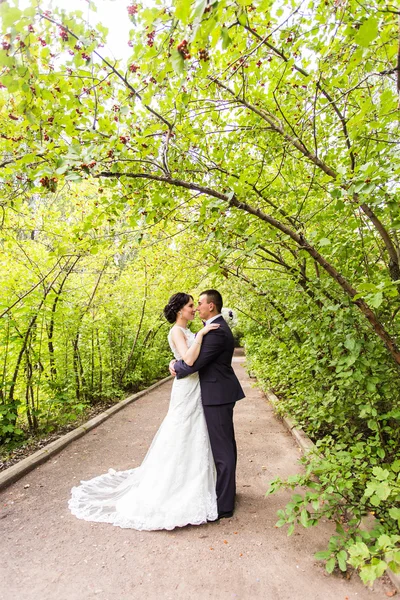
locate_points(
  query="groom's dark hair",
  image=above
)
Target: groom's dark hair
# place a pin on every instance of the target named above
(215, 297)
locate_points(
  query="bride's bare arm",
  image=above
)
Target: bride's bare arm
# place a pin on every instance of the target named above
(189, 355)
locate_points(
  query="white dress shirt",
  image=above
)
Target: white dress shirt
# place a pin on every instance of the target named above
(212, 319)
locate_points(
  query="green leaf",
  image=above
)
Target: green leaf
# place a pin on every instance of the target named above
(304, 518)
(349, 343)
(359, 549)
(371, 572)
(9, 15)
(198, 9)
(226, 40)
(330, 565)
(177, 61)
(376, 300)
(73, 177)
(383, 490)
(394, 513)
(182, 10)
(342, 558)
(323, 555)
(280, 523)
(367, 32)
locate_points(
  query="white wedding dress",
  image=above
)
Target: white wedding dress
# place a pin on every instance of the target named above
(175, 484)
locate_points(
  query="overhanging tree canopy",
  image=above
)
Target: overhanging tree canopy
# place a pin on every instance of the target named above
(287, 115)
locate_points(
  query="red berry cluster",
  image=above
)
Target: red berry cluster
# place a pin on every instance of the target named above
(124, 139)
(5, 45)
(85, 56)
(12, 117)
(14, 139)
(132, 9)
(116, 108)
(259, 63)
(42, 41)
(153, 80)
(133, 68)
(150, 38)
(204, 55)
(171, 42)
(182, 47)
(242, 63)
(49, 183)
(88, 165)
(30, 29)
(63, 34)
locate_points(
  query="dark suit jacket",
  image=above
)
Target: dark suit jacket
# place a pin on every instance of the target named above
(218, 382)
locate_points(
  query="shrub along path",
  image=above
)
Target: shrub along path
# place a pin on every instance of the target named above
(46, 553)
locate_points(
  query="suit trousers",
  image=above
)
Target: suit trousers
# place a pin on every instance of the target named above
(219, 421)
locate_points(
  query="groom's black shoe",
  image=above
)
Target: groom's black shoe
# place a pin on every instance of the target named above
(225, 515)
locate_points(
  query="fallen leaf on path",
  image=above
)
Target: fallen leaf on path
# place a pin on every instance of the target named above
(391, 593)
(225, 542)
(211, 548)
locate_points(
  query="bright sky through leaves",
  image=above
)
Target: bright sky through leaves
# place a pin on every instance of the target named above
(110, 13)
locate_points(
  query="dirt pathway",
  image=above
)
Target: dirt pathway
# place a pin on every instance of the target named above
(47, 554)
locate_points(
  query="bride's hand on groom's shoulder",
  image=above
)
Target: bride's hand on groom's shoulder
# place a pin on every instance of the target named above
(208, 328)
(171, 368)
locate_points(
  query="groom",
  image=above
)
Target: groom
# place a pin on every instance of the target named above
(220, 389)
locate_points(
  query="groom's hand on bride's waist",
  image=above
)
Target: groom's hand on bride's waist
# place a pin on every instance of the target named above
(171, 368)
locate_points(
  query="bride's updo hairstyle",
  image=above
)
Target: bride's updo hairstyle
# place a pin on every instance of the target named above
(175, 304)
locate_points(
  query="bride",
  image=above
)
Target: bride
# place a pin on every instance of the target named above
(175, 484)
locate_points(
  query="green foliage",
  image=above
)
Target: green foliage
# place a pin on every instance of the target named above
(250, 146)
(343, 392)
(81, 314)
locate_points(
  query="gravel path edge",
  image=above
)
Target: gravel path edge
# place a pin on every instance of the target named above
(17, 471)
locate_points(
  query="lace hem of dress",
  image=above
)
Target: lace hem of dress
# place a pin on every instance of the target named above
(90, 512)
